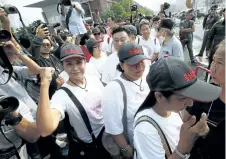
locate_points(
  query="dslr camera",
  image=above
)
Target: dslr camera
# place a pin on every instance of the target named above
(9, 9)
(134, 8)
(7, 106)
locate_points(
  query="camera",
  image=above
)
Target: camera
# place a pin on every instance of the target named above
(10, 9)
(134, 8)
(7, 106)
(5, 36)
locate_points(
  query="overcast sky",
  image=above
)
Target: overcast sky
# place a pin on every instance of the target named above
(31, 14)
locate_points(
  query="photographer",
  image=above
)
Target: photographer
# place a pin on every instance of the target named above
(21, 124)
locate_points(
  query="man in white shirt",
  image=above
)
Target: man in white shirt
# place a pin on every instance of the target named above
(147, 41)
(75, 21)
(120, 37)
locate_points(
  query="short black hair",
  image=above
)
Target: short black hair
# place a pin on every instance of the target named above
(119, 68)
(156, 18)
(120, 29)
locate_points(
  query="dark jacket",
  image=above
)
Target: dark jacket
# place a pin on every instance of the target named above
(209, 21)
(216, 35)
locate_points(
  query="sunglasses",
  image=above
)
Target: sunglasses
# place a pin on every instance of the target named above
(96, 34)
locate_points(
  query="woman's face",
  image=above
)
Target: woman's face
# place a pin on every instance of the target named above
(217, 69)
(176, 102)
(134, 72)
(75, 68)
(96, 51)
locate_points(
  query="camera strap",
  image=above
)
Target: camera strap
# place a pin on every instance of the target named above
(6, 64)
(13, 151)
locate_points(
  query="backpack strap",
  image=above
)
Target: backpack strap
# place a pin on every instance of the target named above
(124, 116)
(164, 141)
(81, 110)
(68, 16)
(138, 40)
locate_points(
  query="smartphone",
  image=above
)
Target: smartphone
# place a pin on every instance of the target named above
(51, 29)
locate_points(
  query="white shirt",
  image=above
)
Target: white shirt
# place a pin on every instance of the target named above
(104, 45)
(76, 23)
(147, 141)
(113, 105)
(90, 100)
(26, 105)
(15, 89)
(111, 47)
(152, 45)
(98, 63)
(109, 68)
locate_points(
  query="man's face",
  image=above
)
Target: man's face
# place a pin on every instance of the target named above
(145, 30)
(189, 16)
(119, 39)
(46, 47)
(213, 11)
(97, 36)
(110, 22)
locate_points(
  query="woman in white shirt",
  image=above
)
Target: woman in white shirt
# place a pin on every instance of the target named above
(98, 57)
(131, 57)
(173, 86)
(83, 144)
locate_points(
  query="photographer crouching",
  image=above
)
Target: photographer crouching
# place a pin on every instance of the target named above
(17, 109)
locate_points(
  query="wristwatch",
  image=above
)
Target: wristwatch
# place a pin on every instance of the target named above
(183, 156)
(13, 120)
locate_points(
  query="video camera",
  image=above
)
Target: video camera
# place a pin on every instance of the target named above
(7, 106)
(9, 9)
(134, 7)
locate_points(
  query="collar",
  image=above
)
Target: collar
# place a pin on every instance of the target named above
(171, 39)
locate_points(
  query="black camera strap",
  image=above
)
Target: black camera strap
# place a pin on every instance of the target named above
(13, 151)
(6, 64)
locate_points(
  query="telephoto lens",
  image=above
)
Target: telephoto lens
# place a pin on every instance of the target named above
(5, 36)
(7, 105)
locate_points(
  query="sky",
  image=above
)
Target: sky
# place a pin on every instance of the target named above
(31, 14)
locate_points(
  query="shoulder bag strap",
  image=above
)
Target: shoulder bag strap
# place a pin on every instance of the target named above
(68, 16)
(164, 141)
(124, 116)
(81, 110)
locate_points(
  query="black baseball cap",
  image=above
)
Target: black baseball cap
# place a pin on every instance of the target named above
(91, 43)
(131, 53)
(69, 50)
(173, 74)
(167, 23)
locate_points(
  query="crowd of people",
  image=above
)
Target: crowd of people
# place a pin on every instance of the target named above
(112, 91)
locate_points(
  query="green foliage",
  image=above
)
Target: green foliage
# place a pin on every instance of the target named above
(20, 31)
(122, 9)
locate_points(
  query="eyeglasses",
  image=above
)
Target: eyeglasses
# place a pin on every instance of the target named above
(213, 9)
(96, 34)
(46, 45)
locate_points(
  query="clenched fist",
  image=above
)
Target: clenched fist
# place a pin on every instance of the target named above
(47, 73)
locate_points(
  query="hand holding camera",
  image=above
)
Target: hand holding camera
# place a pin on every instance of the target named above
(42, 31)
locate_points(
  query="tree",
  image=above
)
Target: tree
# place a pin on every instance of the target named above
(122, 9)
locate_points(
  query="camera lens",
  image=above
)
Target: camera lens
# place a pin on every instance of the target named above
(4, 36)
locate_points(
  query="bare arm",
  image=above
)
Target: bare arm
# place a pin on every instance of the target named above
(27, 130)
(47, 119)
(33, 68)
(154, 57)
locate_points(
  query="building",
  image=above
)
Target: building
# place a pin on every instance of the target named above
(51, 15)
